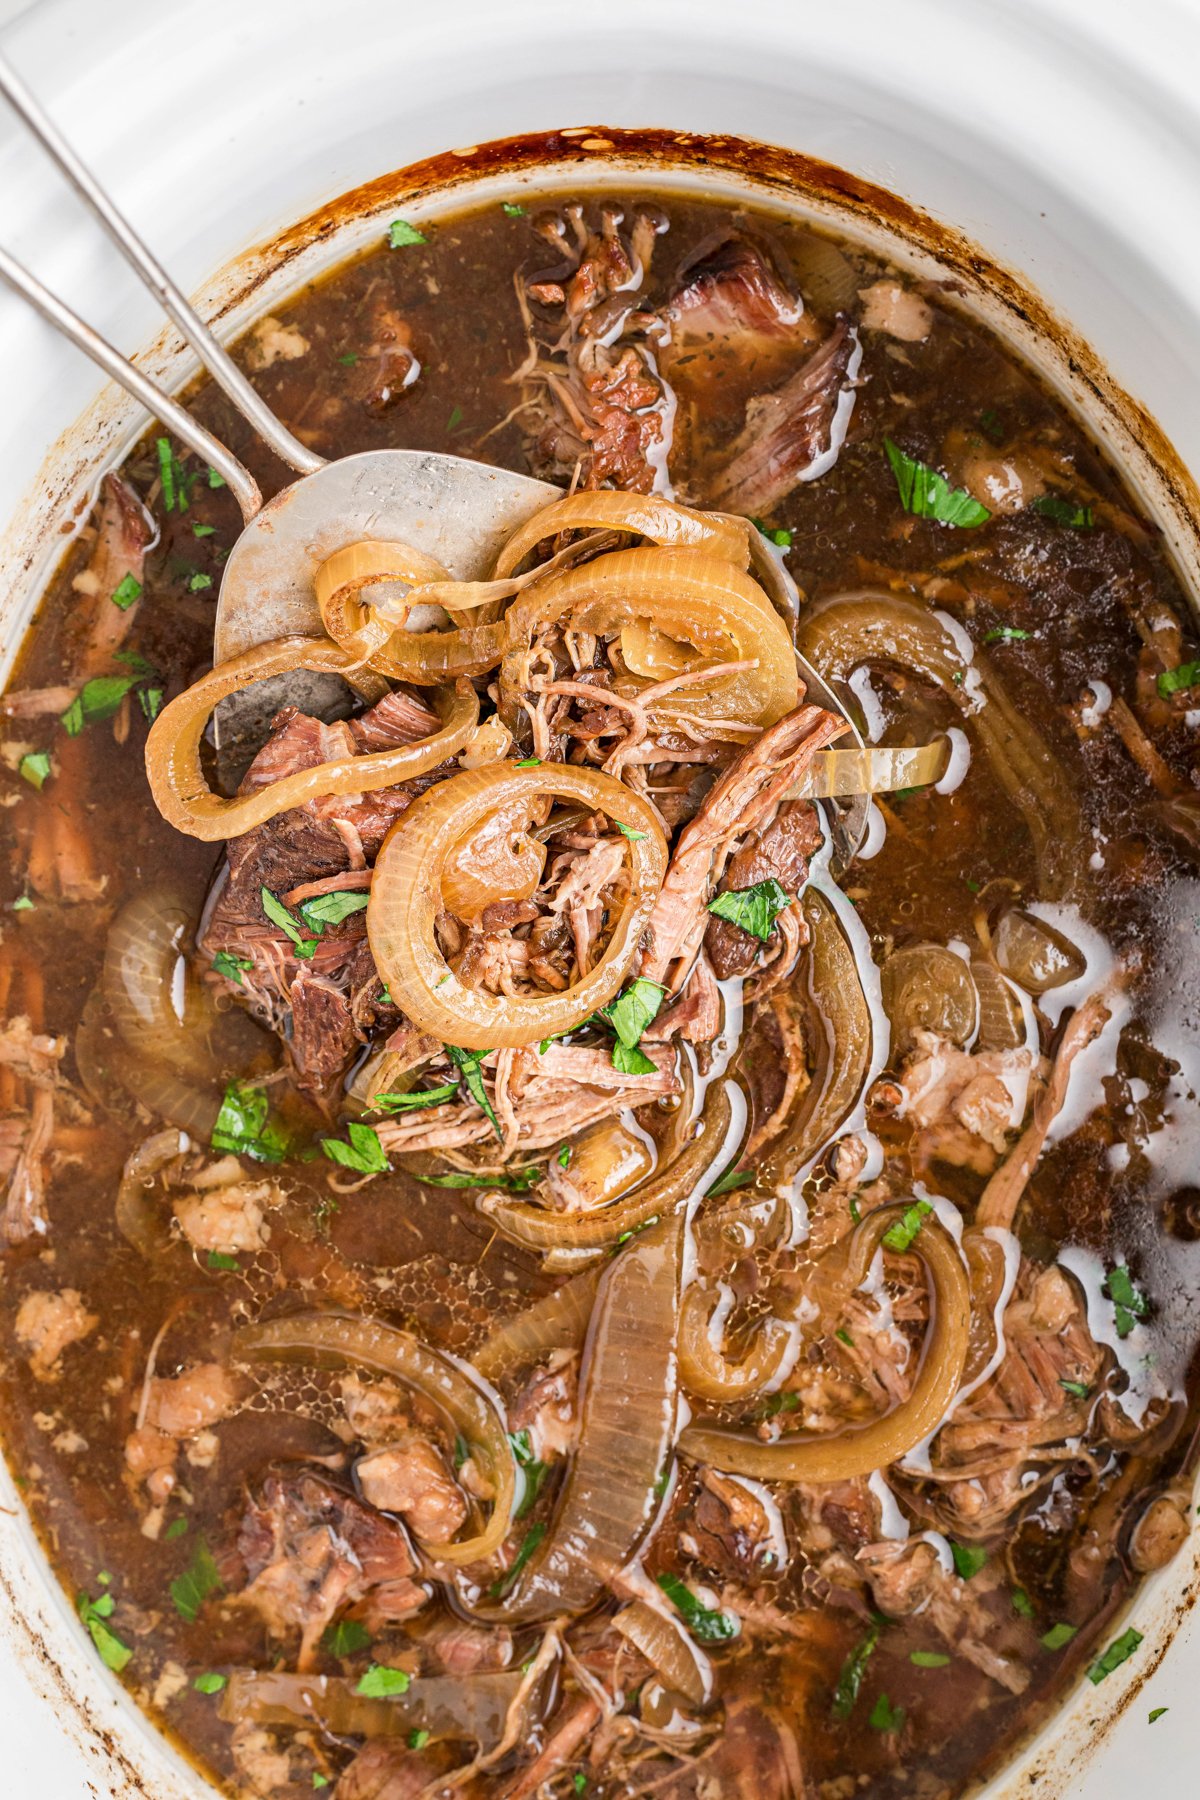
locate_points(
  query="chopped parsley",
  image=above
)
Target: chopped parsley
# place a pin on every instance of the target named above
(35, 768)
(778, 536)
(1080, 1389)
(843, 1336)
(885, 1716)
(319, 1780)
(1065, 512)
(95, 1614)
(418, 1098)
(467, 1063)
(1119, 1651)
(632, 1011)
(1177, 681)
(176, 1529)
(215, 480)
(331, 909)
(627, 831)
(1059, 1636)
(348, 361)
(579, 1781)
(929, 1659)
(968, 1559)
(401, 234)
(221, 1259)
(346, 1638)
(518, 1182)
(245, 1126)
(126, 592)
(190, 1590)
(850, 1680)
(363, 1153)
(929, 495)
(529, 1544)
(534, 1471)
(563, 1159)
(455, 419)
(1022, 1604)
(729, 1182)
(381, 1683)
(199, 582)
(232, 967)
(1006, 634)
(899, 1237)
(277, 912)
(529, 762)
(22, 904)
(417, 1740)
(627, 1060)
(706, 1625)
(210, 1683)
(779, 1403)
(171, 473)
(1129, 1303)
(755, 909)
(991, 425)
(150, 700)
(203, 531)
(511, 210)
(1157, 1713)
(96, 701)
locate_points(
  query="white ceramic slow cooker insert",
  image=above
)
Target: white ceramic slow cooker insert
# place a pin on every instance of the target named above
(1062, 137)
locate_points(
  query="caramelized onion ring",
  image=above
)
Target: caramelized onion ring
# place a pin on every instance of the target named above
(704, 1368)
(176, 775)
(406, 892)
(339, 1341)
(694, 598)
(879, 769)
(444, 1706)
(860, 1450)
(838, 634)
(669, 1649)
(664, 522)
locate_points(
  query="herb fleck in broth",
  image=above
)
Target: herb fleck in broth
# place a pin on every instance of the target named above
(237, 1514)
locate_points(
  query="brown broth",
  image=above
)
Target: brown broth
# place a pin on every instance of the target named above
(432, 1263)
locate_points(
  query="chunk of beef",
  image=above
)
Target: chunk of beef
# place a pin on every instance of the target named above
(963, 1106)
(383, 1770)
(780, 852)
(732, 1528)
(408, 1476)
(735, 328)
(124, 532)
(793, 434)
(306, 1548)
(546, 1407)
(387, 365)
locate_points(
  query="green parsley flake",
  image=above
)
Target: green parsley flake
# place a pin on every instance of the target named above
(849, 1682)
(1006, 634)
(627, 831)
(511, 210)
(1129, 1304)
(126, 592)
(1065, 512)
(199, 582)
(991, 426)
(467, 1063)
(401, 234)
(331, 909)
(534, 1471)
(779, 537)
(221, 1259)
(348, 361)
(319, 1780)
(755, 909)
(632, 1011)
(518, 1182)
(629, 1061)
(35, 768)
(231, 967)
(215, 480)
(929, 1659)
(885, 1716)
(563, 1159)
(210, 1683)
(380, 1682)
(529, 762)
(363, 1153)
(1022, 1604)
(1177, 681)
(729, 1182)
(416, 1100)
(23, 904)
(277, 912)
(346, 1638)
(175, 1529)
(1080, 1389)
(579, 1781)
(843, 1336)
(203, 531)
(968, 1559)
(706, 1625)
(245, 1126)
(96, 701)
(929, 495)
(455, 419)
(1059, 1635)
(171, 474)
(190, 1590)
(1119, 1651)
(113, 1653)
(899, 1237)
(529, 1544)
(417, 1740)
(1158, 1712)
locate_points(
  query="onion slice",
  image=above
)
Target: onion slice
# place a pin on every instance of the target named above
(139, 1215)
(176, 775)
(664, 522)
(406, 894)
(881, 769)
(475, 1709)
(860, 1450)
(704, 1368)
(669, 1649)
(341, 1340)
